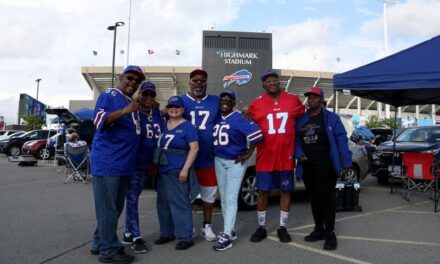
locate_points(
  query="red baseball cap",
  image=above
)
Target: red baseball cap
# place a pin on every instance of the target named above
(316, 91)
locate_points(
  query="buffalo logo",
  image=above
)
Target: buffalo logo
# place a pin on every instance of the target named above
(240, 77)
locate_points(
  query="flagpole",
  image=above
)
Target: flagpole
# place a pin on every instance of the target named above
(128, 38)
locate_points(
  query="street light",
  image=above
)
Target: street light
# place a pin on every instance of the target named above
(114, 28)
(36, 105)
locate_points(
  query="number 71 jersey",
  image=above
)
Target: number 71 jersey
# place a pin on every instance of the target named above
(277, 122)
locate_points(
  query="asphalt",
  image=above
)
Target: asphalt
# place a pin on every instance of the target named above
(45, 221)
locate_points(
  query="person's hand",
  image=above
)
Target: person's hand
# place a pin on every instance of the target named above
(303, 159)
(183, 176)
(246, 114)
(242, 158)
(133, 106)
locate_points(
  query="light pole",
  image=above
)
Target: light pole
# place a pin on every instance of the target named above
(36, 105)
(114, 28)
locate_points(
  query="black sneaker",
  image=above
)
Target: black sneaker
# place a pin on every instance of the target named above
(164, 240)
(119, 258)
(94, 252)
(283, 235)
(259, 235)
(139, 246)
(182, 245)
(330, 241)
(315, 236)
(127, 240)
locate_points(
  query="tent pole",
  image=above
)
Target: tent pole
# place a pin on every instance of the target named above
(394, 151)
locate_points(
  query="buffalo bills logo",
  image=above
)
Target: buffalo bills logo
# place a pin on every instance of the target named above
(240, 77)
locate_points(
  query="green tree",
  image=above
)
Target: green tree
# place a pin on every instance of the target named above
(32, 122)
(374, 121)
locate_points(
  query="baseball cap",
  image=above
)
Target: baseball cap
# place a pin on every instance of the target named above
(268, 73)
(175, 101)
(229, 93)
(198, 72)
(135, 69)
(316, 91)
(147, 86)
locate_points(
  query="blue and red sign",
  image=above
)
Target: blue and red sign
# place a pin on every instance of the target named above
(240, 77)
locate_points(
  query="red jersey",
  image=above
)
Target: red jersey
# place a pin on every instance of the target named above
(277, 122)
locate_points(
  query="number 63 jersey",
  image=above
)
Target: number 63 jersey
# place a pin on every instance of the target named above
(276, 120)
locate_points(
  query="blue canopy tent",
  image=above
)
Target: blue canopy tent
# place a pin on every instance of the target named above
(80, 114)
(409, 77)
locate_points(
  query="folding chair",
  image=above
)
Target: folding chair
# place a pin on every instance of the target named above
(421, 174)
(77, 163)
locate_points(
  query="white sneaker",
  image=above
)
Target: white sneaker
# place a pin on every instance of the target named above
(207, 233)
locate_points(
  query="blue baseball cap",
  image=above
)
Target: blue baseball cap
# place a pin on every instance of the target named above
(229, 93)
(136, 70)
(268, 73)
(147, 86)
(175, 101)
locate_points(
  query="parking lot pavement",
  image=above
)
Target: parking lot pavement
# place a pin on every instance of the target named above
(46, 221)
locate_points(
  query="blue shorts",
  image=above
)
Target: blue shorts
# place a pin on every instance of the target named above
(269, 180)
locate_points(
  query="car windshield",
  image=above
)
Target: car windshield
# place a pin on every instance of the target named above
(420, 134)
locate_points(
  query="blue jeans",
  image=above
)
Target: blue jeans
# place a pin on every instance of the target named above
(109, 193)
(135, 185)
(229, 176)
(174, 207)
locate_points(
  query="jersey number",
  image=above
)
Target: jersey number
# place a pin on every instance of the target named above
(220, 135)
(150, 131)
(169, 138)
(282, 128)
(203, 114)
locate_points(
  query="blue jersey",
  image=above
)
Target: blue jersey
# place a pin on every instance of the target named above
(232, 134)
(112, 150)
(203, 115)
(151, 127)
(177, 138)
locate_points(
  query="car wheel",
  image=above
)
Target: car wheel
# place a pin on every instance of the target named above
(43, 153)
(14, 151)
(382, 179)
(247, 198)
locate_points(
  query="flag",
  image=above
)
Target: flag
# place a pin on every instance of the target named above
(95, 52)
(150, 51)
(177, 52)
(338, 59)
(121, 52)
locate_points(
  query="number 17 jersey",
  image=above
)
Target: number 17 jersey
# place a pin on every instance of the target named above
(276, 120)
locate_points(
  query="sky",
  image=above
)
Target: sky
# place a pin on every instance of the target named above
(52, 40)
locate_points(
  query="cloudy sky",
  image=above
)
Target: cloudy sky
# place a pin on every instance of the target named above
(51, 40)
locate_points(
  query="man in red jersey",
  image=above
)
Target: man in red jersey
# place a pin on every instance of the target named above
(275, 112)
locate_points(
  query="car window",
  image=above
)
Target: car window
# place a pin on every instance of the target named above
(33, 135)
(2, 132)
(420, 134)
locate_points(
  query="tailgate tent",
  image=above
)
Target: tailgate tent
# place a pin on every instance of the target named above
(409, 77)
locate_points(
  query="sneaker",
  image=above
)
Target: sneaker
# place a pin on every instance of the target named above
(119, 257)
(127, 240)
(330, 241)
(283, 235)
(94, 252)
(207, 233)
(315, 236)
(182, 245)
(259, 235)
(164, 240)
(233, 235)
(139, 246)
(223, 243)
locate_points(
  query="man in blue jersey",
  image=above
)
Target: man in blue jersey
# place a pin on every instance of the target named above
(113, 161)
(151, 123)
(202, 111)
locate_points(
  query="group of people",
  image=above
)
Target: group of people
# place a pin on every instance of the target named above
(200, 145)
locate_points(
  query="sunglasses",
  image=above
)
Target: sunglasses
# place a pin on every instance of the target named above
(196, 80)
(227, 100)
(148, 93)
(271, 82)
(132, 78)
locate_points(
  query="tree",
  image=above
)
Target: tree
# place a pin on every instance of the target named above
(374, 121)
(32, 122)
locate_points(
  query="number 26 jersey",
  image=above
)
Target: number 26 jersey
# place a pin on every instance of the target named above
(276, 120)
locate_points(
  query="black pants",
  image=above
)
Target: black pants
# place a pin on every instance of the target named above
(320, 184)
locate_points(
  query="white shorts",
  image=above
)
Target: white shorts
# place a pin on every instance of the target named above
(208, 193)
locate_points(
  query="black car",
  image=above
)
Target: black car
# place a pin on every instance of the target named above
(414, 139)
(12, 146)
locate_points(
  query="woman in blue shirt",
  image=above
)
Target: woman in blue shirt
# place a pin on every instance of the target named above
(232, 135)
(178, 147)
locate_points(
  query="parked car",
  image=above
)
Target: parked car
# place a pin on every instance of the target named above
(8, 133)
(38, 148)
(247, 198)
(12, 146)
(414, 139)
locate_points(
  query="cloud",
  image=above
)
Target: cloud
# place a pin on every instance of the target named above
(309, 8)
(366, 11)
